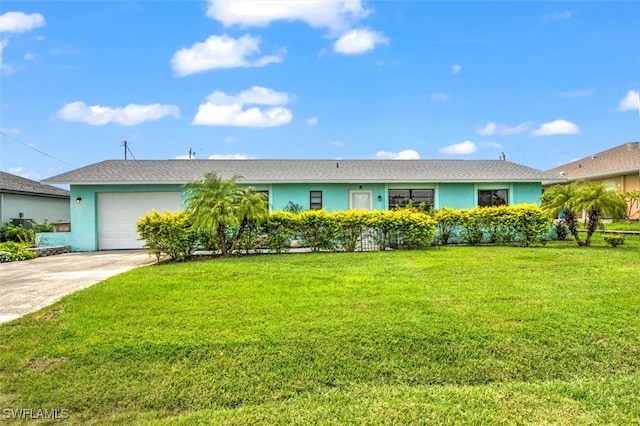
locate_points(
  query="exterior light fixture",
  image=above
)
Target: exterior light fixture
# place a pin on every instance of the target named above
(379, 197)
(79, 200)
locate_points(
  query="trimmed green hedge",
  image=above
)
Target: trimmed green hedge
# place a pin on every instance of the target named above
(522, 224)
(526, 224)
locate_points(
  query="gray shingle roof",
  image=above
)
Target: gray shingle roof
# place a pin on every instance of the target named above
(298, 171)
(12, 184)
(622, 159)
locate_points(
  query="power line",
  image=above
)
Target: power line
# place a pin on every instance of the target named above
(35, 149)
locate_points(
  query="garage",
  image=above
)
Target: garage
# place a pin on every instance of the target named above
(119, 212)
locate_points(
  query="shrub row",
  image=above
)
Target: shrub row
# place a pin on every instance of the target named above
(19, 234)
(12, 251)
(523, 224)
(173, 234)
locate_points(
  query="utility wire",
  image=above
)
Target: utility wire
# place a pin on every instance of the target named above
(130, 153)
(35, 149)
(126, 144)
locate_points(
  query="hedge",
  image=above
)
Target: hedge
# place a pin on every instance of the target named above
(526, 224)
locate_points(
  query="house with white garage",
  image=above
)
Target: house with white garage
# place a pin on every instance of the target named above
(109, 197)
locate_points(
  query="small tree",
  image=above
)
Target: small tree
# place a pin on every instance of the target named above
(560, 200)
(596, 200)
(225, 209)
(599, 200)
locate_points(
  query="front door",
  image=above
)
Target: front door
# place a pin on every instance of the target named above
(361, 199)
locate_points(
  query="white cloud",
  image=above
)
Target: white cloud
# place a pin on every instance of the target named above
(19, 22)
(230, 157)
(222, 109)
(584, 93)
(557, 127)
(455, 69)
(312, 121)
(462, 148)
(439, 97)
(337, 143)
(234, 115)
(130, 115)
(567, 14)
(492, 128)
(337, 15)
(488, 130)
(30, 57)
(221, 52)
(407, 154)
(256, 95)
(630, 102)
(229, 139)
(359, 40)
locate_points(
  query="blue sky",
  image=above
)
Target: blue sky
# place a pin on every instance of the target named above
(543, 82)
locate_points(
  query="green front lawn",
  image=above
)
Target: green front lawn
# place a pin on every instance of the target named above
(632, 225)
(454, 335)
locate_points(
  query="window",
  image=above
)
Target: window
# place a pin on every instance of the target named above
(418, 197)
(315, 200)
(493, 197)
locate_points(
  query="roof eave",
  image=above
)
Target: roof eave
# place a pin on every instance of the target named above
(604, 175)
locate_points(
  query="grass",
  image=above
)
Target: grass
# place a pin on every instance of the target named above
(623, 226)
(452, 335)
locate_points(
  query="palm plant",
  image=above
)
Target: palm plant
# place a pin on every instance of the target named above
(225, 208)
(599, 200)
(560, 199)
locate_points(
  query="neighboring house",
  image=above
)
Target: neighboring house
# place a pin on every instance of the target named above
(618, 167)
(109, 197)
(26, 199)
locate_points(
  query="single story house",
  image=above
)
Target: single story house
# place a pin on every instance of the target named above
(22, 200)
(109, 197)
(619, 167)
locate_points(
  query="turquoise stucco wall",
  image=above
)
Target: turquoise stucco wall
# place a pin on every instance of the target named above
(526, 192)
(334, 196)
(84, 220)
(455, 195)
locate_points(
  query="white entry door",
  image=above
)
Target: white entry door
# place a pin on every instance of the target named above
(361, 199)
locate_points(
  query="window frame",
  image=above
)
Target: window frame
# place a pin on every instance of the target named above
(315, 205)
(494, 193)
(393, 205)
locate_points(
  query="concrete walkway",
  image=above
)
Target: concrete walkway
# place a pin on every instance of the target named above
(30, 285)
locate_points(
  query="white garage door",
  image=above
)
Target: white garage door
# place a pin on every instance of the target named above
(118, 214)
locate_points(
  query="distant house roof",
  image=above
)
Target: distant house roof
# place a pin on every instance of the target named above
(301, 171)
(12, 184)
(622, 159)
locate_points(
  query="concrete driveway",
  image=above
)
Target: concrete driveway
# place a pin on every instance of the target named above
(29, 285)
